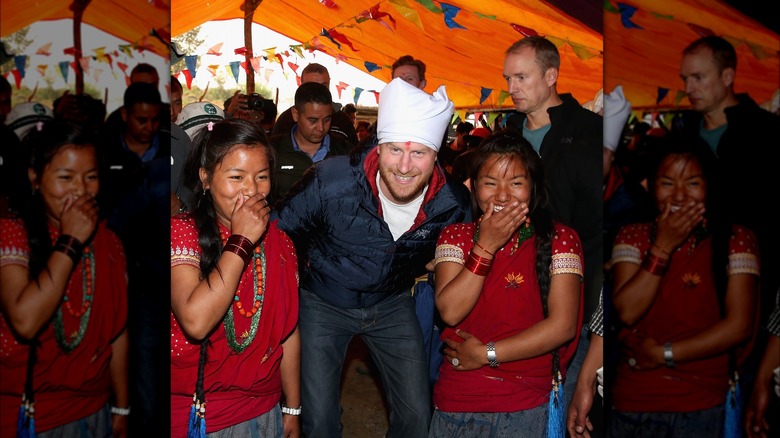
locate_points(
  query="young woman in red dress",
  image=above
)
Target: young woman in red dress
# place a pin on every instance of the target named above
(235, 350)
(63, 294)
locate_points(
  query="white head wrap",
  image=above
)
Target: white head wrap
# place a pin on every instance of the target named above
(407, 113)
(616, 111)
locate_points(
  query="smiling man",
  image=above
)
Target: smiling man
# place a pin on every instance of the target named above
(365, 226)
(309, 141)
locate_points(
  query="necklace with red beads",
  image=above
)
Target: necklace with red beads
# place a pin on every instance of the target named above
(87, 284)
(258, 266)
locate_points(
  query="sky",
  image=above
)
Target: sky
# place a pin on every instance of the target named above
(101, 74)
(230, 33)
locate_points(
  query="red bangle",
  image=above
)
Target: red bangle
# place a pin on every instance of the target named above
(655, 265)
(241, 246)
(478, 265)
(70, 246)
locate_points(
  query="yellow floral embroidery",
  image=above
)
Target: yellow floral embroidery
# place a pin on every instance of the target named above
(691, 279)
(245, 334)
(513, 280)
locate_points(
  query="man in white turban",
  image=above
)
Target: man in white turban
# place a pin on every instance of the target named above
(364, 227)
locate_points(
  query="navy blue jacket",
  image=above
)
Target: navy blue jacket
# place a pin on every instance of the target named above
(348, 255)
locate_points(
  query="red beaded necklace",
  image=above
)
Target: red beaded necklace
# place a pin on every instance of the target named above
(87, 282)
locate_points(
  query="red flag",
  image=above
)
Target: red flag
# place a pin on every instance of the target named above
(122, 66)
(17, 78)
(188, 78)
(526, 31)
(342, 39)
(240, 51)
(293, 67)
(340, 87)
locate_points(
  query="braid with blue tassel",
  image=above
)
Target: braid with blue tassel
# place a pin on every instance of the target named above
(732, 427)
(197, 422)
(25, 425)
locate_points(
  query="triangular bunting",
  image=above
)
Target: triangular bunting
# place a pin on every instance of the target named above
(407, 12)
(192, 64)
(370, 66)
(44, 50)
(358, 92)
(62, 67)
(187, 78)
(502, 96)
(626, 12)
(215, 50)
(484, 94)
(662, 92)
(450, 12)
(340, 87)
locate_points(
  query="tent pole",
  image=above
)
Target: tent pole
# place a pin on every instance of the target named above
(249, 7)
(78, 7)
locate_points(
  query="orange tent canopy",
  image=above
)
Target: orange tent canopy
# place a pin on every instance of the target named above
(131, 21)
(646, 58)
(463, 48)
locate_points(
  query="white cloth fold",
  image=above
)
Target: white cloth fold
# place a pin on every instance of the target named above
(616, 112)
(407, 113)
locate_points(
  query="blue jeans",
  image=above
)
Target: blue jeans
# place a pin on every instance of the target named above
(703, 423)
(530, 423)
(392, 334)
(97, 425)
(268, 425)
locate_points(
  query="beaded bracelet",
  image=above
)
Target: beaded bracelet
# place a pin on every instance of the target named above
(655, 265)
(478, 265)
(241, 246)
(70, 246)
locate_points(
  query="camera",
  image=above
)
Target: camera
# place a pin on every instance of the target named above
(256, 102)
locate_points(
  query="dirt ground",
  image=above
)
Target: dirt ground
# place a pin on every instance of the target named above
(362, 400)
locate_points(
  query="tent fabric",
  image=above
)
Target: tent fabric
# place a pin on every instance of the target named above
(644, 40)
(131, 21)
(462, 42)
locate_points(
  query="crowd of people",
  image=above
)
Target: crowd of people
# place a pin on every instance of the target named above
(494, 293)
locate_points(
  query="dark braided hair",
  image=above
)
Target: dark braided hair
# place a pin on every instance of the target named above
(506, 145)
(209, 149)
(210, 146)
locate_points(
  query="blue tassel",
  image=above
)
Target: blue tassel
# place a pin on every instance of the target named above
(732, 427)
(555, 414)
(25, 425)
(197, 422)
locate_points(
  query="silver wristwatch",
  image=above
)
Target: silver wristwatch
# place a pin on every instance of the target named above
(491, 354)
(668, 356)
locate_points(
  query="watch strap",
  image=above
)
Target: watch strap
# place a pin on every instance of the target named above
(491, 355)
